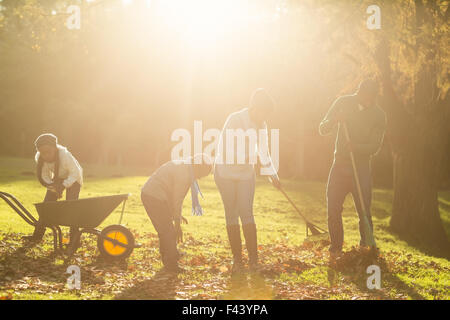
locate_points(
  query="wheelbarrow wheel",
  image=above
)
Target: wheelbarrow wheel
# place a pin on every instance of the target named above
(111, 250)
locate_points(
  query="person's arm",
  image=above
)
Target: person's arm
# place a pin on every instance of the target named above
(267, 165)
(47, 174)
(227, 150)
(375, 141)
(177, 209)
(74, 168)
(331, 118)
(181, 181)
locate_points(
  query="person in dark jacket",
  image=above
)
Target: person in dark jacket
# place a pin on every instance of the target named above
(366, 123)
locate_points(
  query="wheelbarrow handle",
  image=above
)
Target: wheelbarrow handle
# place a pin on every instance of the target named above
(18, 208)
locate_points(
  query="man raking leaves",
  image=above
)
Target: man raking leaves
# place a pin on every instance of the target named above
(361, 126)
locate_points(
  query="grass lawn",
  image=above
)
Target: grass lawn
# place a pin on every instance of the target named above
(293, 269)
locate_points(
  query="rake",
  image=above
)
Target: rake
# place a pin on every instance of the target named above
(368, 233)
(315, 230)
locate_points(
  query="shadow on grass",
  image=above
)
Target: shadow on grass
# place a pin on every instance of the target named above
(162, 286)
(435, 250)
(390, 282)
(21, 262)
(248, 287)
(353, 265)
(105, 264)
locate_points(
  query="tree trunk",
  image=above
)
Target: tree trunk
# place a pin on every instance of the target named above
(415, 210)
(418, 142)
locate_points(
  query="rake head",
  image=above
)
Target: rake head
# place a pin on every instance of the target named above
(315, 230)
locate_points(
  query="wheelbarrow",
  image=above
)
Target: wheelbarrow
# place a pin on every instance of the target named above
(114, 241)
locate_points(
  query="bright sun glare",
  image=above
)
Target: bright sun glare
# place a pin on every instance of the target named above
(201, 22)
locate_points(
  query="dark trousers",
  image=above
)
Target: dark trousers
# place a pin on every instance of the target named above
(72, 193)
(161, 216)
(340, 183)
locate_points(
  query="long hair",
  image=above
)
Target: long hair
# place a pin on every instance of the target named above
(40, 164)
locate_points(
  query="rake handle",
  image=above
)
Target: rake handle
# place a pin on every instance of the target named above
(308, 223)
(293, 204)
(369, 236)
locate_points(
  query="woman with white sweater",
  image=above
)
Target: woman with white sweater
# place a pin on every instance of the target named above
(234, 173)
(57, 170)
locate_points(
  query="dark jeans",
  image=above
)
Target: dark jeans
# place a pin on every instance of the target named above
(72, 193)
(160, 214)
(340, 183)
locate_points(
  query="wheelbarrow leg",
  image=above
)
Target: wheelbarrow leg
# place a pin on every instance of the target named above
(58, 229)
(55, 240)
(75, 242)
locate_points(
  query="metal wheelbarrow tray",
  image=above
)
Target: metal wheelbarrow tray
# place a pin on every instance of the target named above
(115, 241)
(82, 213)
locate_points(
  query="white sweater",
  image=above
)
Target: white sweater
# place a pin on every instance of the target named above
(69, 168)
(238, 170)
